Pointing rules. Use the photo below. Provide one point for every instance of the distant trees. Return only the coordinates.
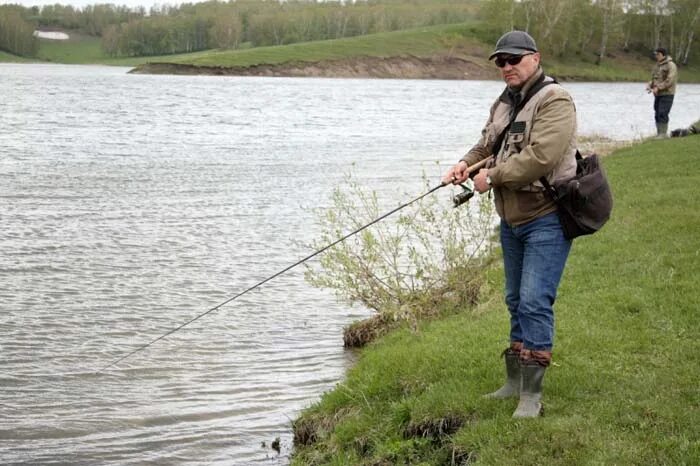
(596, 27)
(257, 23)
(92, 19)
(226, 31)
(593, 28)
(687, 25)
(157, 36)
(16, 32)
(58, 16)
(95, 19)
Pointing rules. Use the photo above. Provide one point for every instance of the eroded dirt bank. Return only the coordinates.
(366, 67)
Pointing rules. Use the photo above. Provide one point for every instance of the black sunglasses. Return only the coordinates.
(512, 61)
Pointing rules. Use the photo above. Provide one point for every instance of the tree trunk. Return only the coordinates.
(608, 8)
(691, 36)
(552, 17)
(658, 24)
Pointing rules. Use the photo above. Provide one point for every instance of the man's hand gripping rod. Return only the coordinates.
(468, 189)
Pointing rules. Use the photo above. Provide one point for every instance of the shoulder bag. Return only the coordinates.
(585, 201)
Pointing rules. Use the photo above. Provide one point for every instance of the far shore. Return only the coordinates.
(456, 67)
(438, 67)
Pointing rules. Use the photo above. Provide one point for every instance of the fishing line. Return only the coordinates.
(271, 277)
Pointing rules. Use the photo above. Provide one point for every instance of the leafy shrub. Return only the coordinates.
(425, 253)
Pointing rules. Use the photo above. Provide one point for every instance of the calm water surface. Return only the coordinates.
(129, 204)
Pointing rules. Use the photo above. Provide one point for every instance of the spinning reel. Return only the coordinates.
(466, 194)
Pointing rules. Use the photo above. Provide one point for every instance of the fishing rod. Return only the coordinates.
(457, 201)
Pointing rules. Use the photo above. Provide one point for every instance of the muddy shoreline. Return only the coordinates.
(441, 67)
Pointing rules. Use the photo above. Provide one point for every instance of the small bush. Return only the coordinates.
(407, 263)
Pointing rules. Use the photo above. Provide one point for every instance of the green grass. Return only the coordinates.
(79, 49)
(610, 70)
(620, 67)
(419, 42)
(9, 58)
(623, 388)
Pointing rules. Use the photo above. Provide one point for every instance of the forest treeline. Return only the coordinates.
(600, 26)
(561, 27)
(17, 34)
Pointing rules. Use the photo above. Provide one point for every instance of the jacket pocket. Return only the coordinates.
(514, 142)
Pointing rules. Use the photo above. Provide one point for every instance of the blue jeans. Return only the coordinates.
(534, 256)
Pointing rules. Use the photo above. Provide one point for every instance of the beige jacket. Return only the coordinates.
(541, 142)
(664, 77)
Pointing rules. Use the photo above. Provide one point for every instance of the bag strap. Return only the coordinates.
(539, 84)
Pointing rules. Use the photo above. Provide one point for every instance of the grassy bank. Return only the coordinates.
(419, 42)
(471, 42)
(623, 388)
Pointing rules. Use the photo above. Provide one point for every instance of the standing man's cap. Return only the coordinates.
(515, 43)
(662, 51)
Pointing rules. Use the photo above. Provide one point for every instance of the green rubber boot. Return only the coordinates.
(530, 404)
(511, 388)
(661, 130)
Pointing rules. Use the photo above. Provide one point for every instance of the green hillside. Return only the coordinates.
(419, 42)
(80, 49)
(464, 40)
(468, 41)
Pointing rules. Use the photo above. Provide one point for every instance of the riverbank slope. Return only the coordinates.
(623, 385)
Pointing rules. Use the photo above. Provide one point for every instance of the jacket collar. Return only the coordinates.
(512, 96)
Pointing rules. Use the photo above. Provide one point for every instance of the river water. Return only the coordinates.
(131, 203)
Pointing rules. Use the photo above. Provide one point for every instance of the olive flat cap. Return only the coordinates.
(515, 43)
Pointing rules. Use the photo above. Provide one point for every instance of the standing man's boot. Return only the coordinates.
(511, 388)
(661, 130)
(533, 365)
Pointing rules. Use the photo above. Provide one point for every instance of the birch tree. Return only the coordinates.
(609, 10)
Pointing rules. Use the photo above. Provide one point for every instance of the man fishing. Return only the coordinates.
(664, 78)
(531, 131)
